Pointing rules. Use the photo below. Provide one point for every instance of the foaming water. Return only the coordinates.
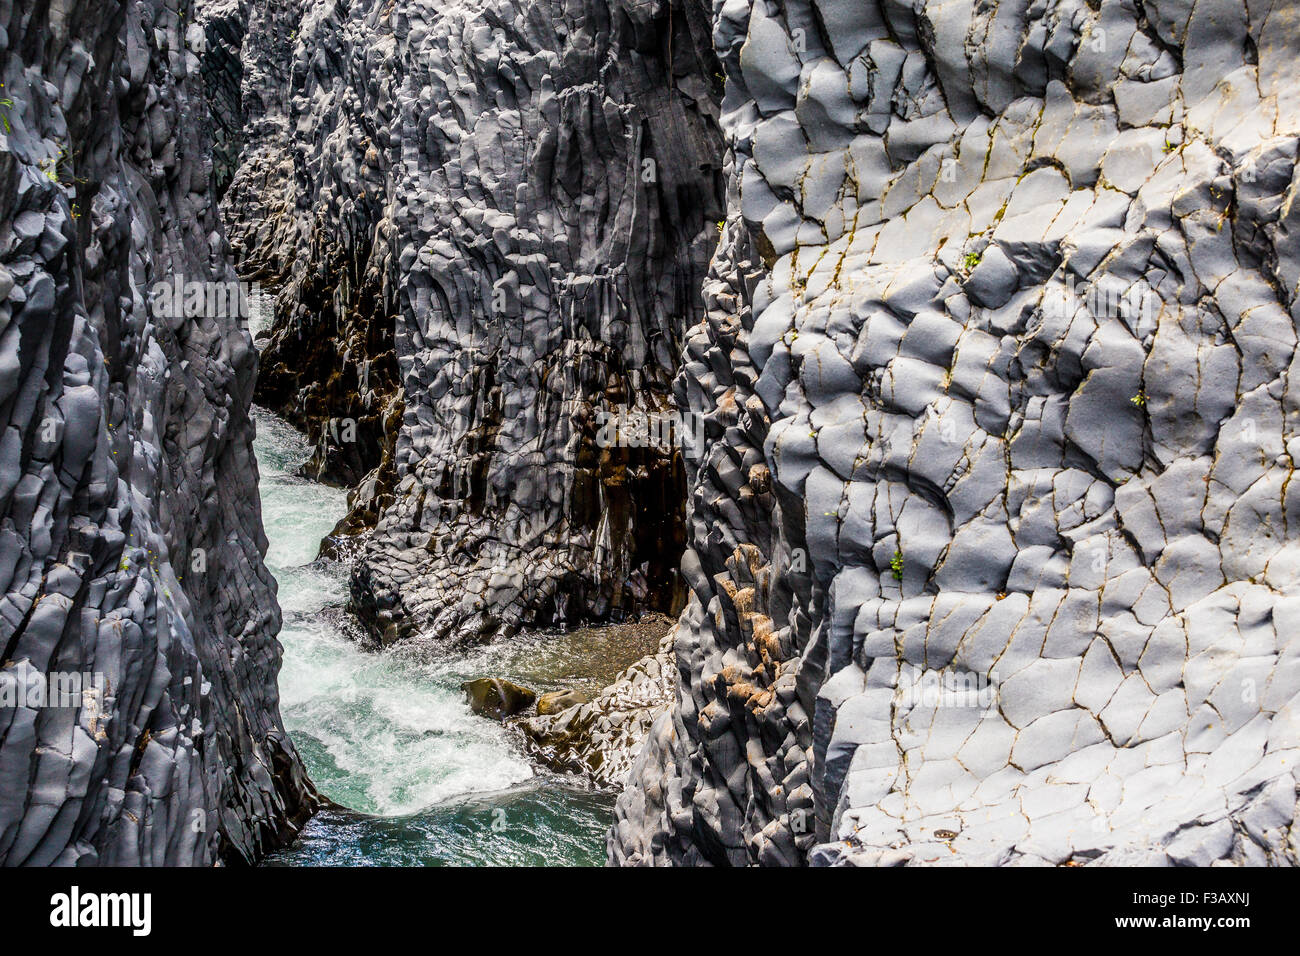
(389, 734)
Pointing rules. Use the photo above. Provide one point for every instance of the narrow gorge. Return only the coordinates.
(653, 432)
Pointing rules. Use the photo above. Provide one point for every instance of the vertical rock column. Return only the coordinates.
(724, 776)
(130, 534)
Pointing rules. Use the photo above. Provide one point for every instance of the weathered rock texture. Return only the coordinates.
(303, 223)
(488, 223)
(219, 46)
(983, 569)
(496, 697)
(130, 535)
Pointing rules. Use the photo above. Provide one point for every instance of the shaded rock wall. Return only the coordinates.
(488, 223)
(306, 215)
(1019, 362)
(219, 46)
(130, 533)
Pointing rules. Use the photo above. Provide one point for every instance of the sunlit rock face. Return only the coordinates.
(600, 739)
(487, 224)
(992, 553)
(139, 716)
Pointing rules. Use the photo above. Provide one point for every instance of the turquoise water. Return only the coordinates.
(388, 735)
(529, 825)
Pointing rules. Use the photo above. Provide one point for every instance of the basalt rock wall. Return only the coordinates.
(992, 550)
(138, 658)
(487, 224)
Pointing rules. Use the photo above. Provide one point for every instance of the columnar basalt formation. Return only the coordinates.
(740, 701)
(488, 223)
(219, 45)
(139, 722)
(301, 226)
(1007, 297)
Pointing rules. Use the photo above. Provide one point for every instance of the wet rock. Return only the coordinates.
(496, 697)
(552, 702)
(582, 659)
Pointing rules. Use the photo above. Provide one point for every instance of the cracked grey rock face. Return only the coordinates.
(130, 534)
(992, 551)
(488, 224)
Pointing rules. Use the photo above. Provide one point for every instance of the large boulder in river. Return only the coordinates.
(497, 698)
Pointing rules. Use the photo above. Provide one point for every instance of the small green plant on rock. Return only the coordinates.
(1139, 400)
(971, 261)
(6, 104)
(896, 565)
(57, 168)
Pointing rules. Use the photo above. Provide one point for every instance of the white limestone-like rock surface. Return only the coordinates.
(993, 551)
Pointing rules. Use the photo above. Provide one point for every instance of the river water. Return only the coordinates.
(390, 736)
